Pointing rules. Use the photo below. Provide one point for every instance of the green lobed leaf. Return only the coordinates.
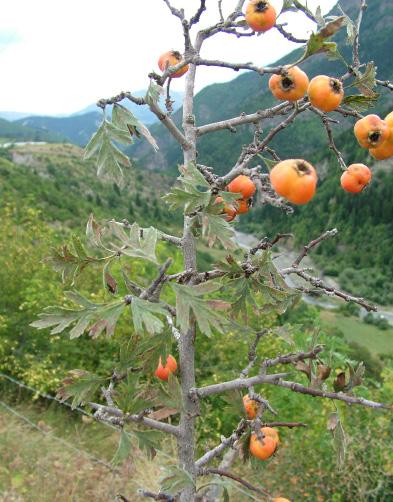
(124, 448)
(137, 243)
(71, 260)
(148, 440)
(81, 386)
(93, 317)
(144, 315)
(335, 426)
(153, 93)
(359, 102)
(175, 480)
(95, 142)
(215, 227)
(188, 194)
(189, 301)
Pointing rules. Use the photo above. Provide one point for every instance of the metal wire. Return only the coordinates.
(56, 438)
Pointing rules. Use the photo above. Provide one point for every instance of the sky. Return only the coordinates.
(57, 56)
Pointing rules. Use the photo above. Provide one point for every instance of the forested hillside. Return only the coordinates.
(364, 222)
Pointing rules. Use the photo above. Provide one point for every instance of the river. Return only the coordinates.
(285, 258)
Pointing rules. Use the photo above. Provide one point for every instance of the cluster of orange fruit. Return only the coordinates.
(246, 187)
(376, 135)
(296, 179)
(164, 370)
(260, 448)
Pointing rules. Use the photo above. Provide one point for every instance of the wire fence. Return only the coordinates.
(80, 410)
(77, 409)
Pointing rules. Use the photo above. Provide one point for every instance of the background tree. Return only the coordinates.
(177, 308)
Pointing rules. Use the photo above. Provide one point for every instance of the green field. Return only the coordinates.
(377, 341)
(36, 466)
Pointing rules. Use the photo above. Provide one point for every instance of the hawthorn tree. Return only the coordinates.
(175, 308)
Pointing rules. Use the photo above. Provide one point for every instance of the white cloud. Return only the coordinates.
(58, 56)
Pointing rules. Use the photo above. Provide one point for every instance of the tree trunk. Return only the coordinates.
(186, 442)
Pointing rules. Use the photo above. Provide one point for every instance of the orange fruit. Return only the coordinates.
(260, 15)
(355, 178)
(172, 58)
(295, 180)
(325, 93)
(371, 131)
(291, 85)
(242, 184)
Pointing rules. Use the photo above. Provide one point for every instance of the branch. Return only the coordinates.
(289, 36)
(266, 244)
(106, 412)
(175, 12)
(332, 144)
(170, 238)
(236, 66)
(356, 43)
(339, 396)
(293, 358)
(318, 283)
(154, 108)
(197, 16)
(102, 103)
(305, 10)
(312, 244)
(243, 119)
(385, 83)
(238, 383)
(158, 282)
(225, 443)
(170, 125)
(221, 472)
(252, 353)
(155, 496)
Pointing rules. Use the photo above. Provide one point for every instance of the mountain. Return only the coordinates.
(12, 131)
(360, 257)
(75, 129)
(249, 92)
(13, 115)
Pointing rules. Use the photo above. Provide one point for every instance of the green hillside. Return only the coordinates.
(249, 92)
(361, 257)
(55, 179)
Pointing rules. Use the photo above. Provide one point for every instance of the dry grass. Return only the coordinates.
(35, 467)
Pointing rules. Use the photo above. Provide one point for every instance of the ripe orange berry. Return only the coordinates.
(325, 93)
(295, 180)
(385, 150)
(163, 372)
(355, 178)
(242, 206)
(251, 406)
(172, 58)
(229, 210)
(281, 499)
(242, 184)
(291, 85)
(263, 449)
(371, 131)
(260, 15)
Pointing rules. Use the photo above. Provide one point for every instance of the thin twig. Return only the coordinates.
(220, 472)
(312, 244)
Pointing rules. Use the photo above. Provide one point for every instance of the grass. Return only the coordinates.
(35, 467)
(375, 340)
